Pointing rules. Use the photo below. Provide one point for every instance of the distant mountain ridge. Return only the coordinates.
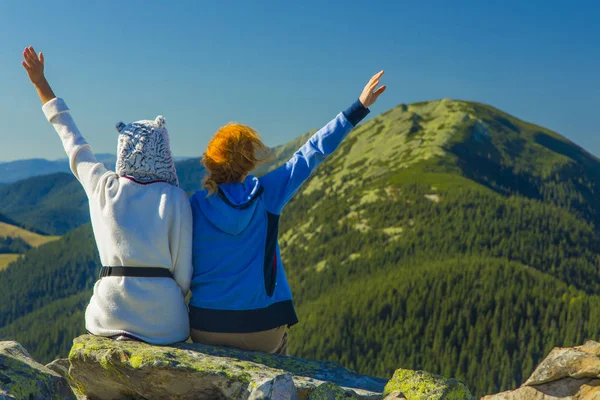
(13, 171)
(446, 235)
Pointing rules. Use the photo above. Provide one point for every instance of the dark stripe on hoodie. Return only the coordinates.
(270, 267)
(243, 321)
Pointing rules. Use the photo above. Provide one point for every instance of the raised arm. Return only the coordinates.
(281, 184)
(84, 164)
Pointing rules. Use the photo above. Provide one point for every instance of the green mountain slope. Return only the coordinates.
(454, 317)
(66, 320)
(56, 204)
(444, 235)
(54, 271)
(15, 240)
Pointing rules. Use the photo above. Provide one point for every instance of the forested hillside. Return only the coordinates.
(446, 236)
(15, 240)
(10, 244)
(56, 203)
(448, 287)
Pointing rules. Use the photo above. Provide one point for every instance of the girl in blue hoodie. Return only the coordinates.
(240, 294)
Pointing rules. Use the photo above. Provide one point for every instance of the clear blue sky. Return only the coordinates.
(287, 67)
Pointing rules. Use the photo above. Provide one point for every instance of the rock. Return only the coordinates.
(421, 385)
(566, 373)
(60, 366)
(108, 369)
(564, 389)
(281, 388)
(331, 391)
(395, 395)
(576, 362)
(21, 377)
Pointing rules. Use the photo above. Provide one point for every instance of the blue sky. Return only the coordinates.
(288, 67)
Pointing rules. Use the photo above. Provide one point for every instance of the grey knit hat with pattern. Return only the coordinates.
(144, 152)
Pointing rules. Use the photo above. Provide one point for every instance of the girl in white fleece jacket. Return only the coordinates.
(142, 223)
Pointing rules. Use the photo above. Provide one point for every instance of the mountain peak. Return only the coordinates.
(405, 135)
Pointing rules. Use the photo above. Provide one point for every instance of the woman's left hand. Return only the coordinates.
(368, 97)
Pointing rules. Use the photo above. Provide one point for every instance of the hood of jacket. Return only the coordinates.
(232, 208)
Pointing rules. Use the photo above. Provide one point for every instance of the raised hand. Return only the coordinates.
(368, 96)
(34, 65)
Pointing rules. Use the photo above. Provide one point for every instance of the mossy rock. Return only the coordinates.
(331, 391)
(106, 369)
(421, 385)
(21, 377)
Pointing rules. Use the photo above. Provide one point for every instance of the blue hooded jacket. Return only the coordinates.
(239, 284)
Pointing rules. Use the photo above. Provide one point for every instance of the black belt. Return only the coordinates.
(143, 272)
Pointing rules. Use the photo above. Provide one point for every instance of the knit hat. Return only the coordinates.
(144, 152)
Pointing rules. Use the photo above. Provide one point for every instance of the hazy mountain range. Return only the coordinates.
(13, 171)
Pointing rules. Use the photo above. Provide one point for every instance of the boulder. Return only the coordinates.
(566, 373)
(21, 377)
(106, 369)
(331, 391)
(395, 395)
(281, 387)
(60, 366)
(577, 362)
(421, 385)
(564, 389)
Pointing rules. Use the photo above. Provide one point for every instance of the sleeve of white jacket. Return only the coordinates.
(83, 163)
(182, 240)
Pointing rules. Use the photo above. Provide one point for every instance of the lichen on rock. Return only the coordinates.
(421, 385)
(331, 391)
(21, 377)
(107, 369)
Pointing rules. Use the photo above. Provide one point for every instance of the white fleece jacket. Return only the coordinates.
(145, 225)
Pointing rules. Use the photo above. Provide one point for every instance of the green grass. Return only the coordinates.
(34, 239)
(6, 259)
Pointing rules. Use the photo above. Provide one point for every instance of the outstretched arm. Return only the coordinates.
(281, 184)
(83, 163)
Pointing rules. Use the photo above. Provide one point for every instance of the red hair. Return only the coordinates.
(232, 153)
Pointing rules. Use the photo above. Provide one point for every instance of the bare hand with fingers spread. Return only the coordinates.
(34, 65)
(369, 95)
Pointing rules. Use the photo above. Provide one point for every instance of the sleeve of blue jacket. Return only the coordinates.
(281, 184)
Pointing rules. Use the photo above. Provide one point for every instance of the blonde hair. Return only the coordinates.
(232, 153)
